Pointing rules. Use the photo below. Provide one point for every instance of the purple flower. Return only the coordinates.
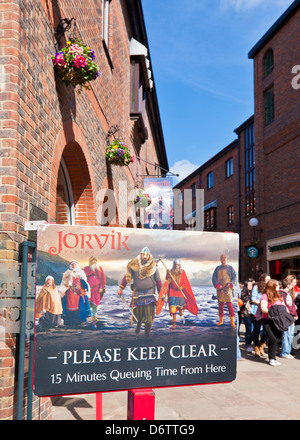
(97, 74)
(59, 59)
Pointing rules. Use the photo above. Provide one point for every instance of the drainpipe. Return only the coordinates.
(25, 247)
(240, 207)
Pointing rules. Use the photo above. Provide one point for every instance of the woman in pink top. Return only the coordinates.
(271, 297)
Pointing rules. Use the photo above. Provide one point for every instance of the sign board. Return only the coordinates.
(253, 252)
(10, 296)
(155, 343)
(159, 215)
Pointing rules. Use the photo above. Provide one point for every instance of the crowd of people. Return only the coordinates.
(269, 310)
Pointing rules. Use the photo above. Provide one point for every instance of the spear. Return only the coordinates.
(171, 276)
(132, 301)
(123, 299)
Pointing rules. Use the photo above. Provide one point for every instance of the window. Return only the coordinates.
(269, 105)
(64, 196)
(210, 221)
(137, 89)
(210, 180)
(229, 167)
(230, 215)
(141, 84)
(250, 171)
(193, 186)
(268, 62)
(105, 21)
(250, 204)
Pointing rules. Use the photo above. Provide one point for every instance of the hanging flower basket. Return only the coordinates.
(117, 153)
(74, 64)
(142, 199)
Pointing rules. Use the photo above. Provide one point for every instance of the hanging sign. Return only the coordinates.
(123, 308)
(159, 215)
(253, 252)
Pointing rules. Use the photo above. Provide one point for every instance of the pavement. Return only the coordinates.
(260, 392)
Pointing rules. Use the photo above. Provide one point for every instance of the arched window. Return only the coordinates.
(64, 201)
(268, 62)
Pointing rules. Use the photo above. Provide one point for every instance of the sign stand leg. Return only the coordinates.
(99, 406)
(141, 404)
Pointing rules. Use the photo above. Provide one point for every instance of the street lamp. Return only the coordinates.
(253, 251)
(253, 222)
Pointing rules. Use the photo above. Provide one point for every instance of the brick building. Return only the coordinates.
(277, 143)
(53, 139)
(265, 181)
(217, 177)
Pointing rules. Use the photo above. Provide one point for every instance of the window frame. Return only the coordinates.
(210, 219)
(249, 150)
(68, 191)
(229, 167)
(230, 215)
(138, 89)
(210, 180)
(193, 188)
(268, 62)
(269, 105)
(106, 40)
(105, 22)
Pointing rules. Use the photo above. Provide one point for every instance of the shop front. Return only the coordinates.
(283, 256)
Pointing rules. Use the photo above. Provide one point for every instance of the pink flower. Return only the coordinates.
(132, 158)
(79, 61)
(75, 48)
(59, 59)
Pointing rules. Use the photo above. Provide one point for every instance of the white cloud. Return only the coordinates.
(183, 168)
(239, 5)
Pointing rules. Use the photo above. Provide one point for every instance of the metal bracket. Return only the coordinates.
(63, 26)
(111, 132)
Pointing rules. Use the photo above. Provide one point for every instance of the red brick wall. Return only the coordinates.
(224, 190)
(277, 144)
(42, 120)
(7, 387)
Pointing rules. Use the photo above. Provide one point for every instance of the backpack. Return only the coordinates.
(281, 318)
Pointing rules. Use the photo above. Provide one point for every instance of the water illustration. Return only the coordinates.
(113, 316)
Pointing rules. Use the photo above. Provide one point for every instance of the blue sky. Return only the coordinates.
(203, 77)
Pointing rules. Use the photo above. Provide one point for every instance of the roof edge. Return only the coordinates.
(292, 9)
(217, 156)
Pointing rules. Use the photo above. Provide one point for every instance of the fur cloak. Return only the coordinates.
(144, 270)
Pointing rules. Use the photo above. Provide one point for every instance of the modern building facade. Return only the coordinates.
(277, 141)
(53, 139)
(260, 200)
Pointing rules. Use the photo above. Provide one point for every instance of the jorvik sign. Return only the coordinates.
(120, 308)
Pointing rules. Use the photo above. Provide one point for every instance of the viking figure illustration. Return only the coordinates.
(143, 275)
(97, 282)
(223, 279)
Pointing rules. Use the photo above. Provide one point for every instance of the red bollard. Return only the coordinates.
(99, 406)
(141, 404)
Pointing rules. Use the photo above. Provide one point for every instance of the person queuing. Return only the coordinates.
(271, 297)
(245, 312)
(287, 293)
(259, 338)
